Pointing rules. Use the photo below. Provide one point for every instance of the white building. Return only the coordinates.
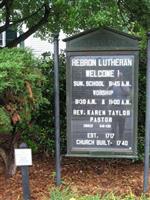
(37, 45)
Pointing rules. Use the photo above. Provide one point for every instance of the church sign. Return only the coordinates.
(102, 87)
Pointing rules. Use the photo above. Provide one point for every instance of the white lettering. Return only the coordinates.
(85, 142)
(119, 83)
(83, 62)
(78, 112)
(115, 62)
(86, 101)
(119, 102)
(96, 112)
(103, 142)
(119, 112)
(99, 73)
(95, 83)
(87, 125)
(109, 135)
(102, 92)
(91, 135)
(101, 119)
(123, 143)
(78, 83)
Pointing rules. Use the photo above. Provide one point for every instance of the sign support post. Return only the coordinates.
(57, 108)
(147, 131)
(25, 178)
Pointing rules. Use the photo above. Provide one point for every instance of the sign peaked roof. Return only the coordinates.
(102, 39)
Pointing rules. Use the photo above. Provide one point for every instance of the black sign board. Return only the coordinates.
(102, 103)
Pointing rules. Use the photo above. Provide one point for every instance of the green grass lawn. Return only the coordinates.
(66, 194)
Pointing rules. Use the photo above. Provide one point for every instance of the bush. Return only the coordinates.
(20, 88)
(5, 122)
(42, 135)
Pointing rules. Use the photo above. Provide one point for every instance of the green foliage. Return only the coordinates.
(5, 122)
(67, 194)
(61, 195)
(39, 137)
(16, 67)
(46, 17)
(42, 132)
(77, 15)
(20, 87)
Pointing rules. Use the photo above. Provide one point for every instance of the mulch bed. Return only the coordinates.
(82, 175)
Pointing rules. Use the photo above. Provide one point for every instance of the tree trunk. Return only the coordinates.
(3, 155)
(9, 143)
(8, 159)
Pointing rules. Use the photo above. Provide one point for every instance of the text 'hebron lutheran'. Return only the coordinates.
(103, 62)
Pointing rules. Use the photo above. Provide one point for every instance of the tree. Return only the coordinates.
(49, 16)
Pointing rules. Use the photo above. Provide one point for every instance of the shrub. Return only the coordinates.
(42, 135)
(20, 88)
